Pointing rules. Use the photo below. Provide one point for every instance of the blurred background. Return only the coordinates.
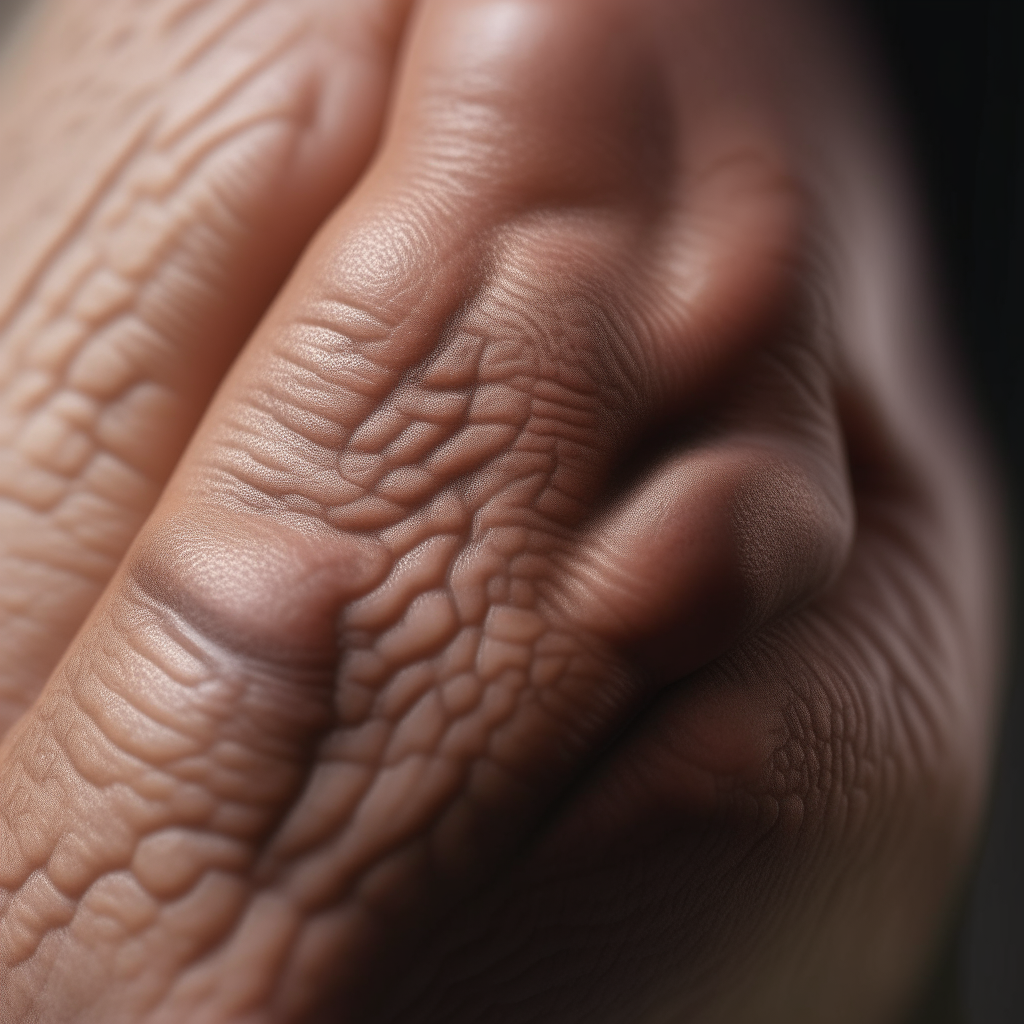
(955, 72)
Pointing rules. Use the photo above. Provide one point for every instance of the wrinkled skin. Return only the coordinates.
(578, 601)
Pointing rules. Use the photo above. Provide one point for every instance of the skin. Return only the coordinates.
(170, 161)
(578, 601)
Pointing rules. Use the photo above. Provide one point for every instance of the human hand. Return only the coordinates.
(587, 227)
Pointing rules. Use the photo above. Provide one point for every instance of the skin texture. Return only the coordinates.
(169, 160)
(578, 601)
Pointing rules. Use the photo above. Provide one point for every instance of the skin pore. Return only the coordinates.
(577, 601)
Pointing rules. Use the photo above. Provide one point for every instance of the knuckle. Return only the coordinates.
(260, 590)
(793, 536)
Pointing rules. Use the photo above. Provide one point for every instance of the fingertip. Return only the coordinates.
(706, 549)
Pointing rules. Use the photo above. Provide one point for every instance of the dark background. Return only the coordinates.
(956, 73)
(955, 69)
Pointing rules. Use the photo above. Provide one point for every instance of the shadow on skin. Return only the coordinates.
(389, 683)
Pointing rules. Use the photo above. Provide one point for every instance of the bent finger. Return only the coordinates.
(750, 518)
(326, 689)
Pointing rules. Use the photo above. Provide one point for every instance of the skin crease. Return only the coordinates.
(615, 368)
(199, 146)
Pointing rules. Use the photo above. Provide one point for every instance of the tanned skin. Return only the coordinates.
(486, 530)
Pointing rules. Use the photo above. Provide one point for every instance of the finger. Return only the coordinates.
(330, 686)
(719, 207)
(162, 167)
(730, 530)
